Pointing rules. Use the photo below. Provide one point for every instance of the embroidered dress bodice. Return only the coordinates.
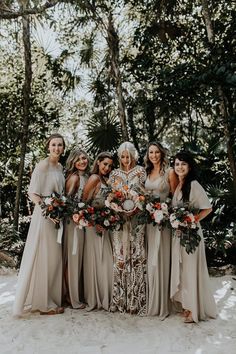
(135, 176)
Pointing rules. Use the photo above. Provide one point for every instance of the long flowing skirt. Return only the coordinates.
(97, 265)
(73, 261)
(158, 271)
(129, 293)
(39, 284)
(190, 283)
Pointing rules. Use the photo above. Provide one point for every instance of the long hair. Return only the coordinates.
(100, 157)
(164, 160)
(73, 158)
(127, 146)
(192, 174)
(55, 136)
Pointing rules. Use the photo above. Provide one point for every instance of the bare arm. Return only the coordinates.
(173, 180)
(35, 198)
(90, 187)
(202, 214)
(72, 184)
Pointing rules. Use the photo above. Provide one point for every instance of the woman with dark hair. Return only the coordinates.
(190, 284)
(40, 277)
(97, 263)
(77, 173)
(161, 182)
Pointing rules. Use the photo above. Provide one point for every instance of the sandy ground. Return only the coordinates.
(79, 331)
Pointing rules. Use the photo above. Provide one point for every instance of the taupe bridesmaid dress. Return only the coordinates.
(190, 283)
(73, 256)
(158, 255)
(39, 284)
(97, 264)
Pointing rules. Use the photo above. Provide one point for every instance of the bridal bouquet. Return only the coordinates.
(83, 215)
(102, 218)
(185, 227)
(107, 219)
(155, 212)
(125, 200)
(55, 207)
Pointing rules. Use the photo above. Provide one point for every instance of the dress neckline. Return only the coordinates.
(129, 170)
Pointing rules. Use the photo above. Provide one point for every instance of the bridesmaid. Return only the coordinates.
(39, 285)
(190, 283)
(129, 292)
(161, 181)
(98, 250)
(77, 172)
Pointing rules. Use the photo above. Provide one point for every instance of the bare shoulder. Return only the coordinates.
(171, 173)
(73, 178)
(93, 180)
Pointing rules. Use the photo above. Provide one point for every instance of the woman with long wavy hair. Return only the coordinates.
(161, 182)
(77, 174)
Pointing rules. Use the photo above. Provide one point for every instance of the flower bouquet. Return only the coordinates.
(125, 200)
(107, 219)
(102, 218)
(55, 207)
(185, 227)
(156, 212)
(83, 215)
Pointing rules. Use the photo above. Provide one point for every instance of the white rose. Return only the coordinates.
(81, 205)
(158, 216)
(175, 224)
(193, 225)
(83, 222)
(164, 206)
(107, 203)
(106, 222)
(48, 201)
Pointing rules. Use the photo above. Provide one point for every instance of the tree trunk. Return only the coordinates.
(113, 45)
(222, 97)
(26, 108)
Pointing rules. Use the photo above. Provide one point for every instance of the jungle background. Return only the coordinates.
(105, 71)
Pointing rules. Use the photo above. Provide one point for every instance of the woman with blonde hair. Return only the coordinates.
(77, 173)
(97, 262)
(129, 267)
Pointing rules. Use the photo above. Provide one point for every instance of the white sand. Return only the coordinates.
(78, 331)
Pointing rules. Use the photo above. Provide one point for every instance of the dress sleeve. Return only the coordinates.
(198, 197)
(143, 175)
(37, 180)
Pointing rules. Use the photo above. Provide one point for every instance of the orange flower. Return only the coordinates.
(187, 219)
(141, 198)
(126, 188)
(157, 206)
(118, 194)
(50, 207)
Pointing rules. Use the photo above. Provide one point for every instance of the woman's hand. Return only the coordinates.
(55, 221)
(99, 228)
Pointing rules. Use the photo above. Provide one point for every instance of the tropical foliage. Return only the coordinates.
(105, 71)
